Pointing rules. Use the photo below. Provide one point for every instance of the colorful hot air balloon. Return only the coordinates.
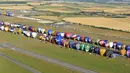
(82, 39)
(68, 35)
(127, 47)
(82, 45)
(102, 51)
(6, 29)
(122, 52)
(96, 50)
(78, 37)
(128, 53)
(58, 40)
(119, 45)
(78, 46)
(87, 47)
(49, 32)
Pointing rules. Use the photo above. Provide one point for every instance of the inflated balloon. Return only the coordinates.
(11, 29)
(49, 32)
(87, 47)
(78, 46)
(62, 34)
(96, 50)
(111, 44)
(74, 36)
(101, 42)
(68, 35)
(128, 53)
(58, 40)
(82, 45)
(6, 29)
(127, 47)
(2, 28)
(78, 38)
(122, 52)
(82, 38)
(119, 46)
(106, 45)
(102, 51)
(70, 44)
(108, 52)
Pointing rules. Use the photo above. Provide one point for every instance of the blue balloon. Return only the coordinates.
(49, 32)
(78, 37)
(119, 45)
(58, 40)
(127, 47)
(106, 41)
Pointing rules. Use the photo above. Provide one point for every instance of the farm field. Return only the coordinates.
(114, 23)
(15, 7)
(55, 18)
(40, 65)
(7, 66)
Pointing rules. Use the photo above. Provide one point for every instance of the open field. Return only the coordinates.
(15, 7)
(7, 66)
(74, 57)
(63, 9)
(40, 65)
(114, 23)
(55, 18)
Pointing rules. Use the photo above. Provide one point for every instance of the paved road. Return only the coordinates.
(82, 70)
(19, 63)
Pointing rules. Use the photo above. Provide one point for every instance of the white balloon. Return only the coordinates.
(111, 44)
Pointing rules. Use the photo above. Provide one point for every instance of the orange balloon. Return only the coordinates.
(123, 52)
(102, 51)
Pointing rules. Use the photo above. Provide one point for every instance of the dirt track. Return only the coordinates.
(19, 63)
(82, 70)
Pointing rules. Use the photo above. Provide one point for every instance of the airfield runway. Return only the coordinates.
(64, 64)
(19, 63)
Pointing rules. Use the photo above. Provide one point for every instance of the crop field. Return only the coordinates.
(63, 9)
(55, 18)
(19, 7)
(81, 59)
(113, 23)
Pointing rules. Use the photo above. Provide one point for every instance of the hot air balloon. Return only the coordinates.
(101, 42)
(122, 52)
(82, 45)
(127, 47)
(82, 39)
(102, 51)
(87, 40)
(49, 32)
(74, 36)
(33, 34)
(68, 35)
(58, 40)
(6, 29)
(62, 34)
(70, 44)
(11, 29)
(87, 47)
(78, 46)
(96, 50)
(119, 45)
(108, 53)
(78, 37)
(128, 53)
(2, 28)
(111, 44)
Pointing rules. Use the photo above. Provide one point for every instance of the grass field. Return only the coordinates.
(9, 67)
(114, 23)
(74, 57)
(40, 65)
(55, 18)
(96, 63)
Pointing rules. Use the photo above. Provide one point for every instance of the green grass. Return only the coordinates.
(40, 65)
(7, 66)
(96, 63)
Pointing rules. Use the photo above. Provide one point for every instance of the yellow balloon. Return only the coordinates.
(102, 51)
(123, 52)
